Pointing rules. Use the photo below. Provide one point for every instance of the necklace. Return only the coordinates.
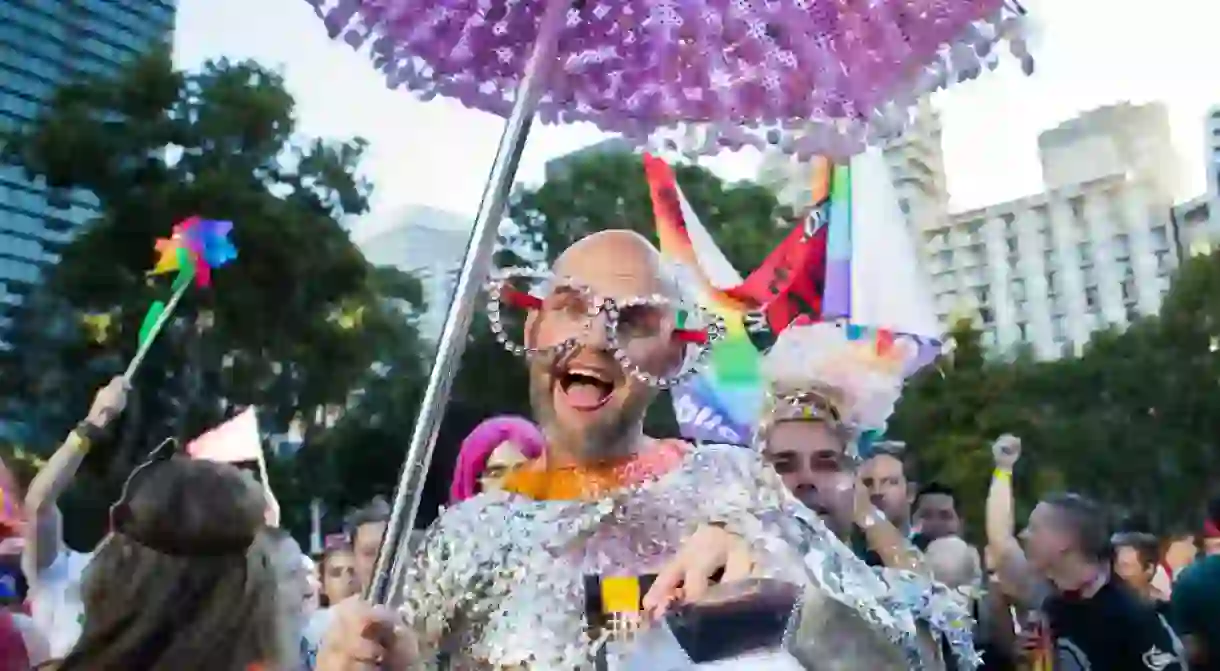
(587, 483)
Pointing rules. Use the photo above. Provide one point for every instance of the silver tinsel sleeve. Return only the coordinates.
(500, 581)
(908, 609)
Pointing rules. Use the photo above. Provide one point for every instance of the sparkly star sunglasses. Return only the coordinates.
(629, 322)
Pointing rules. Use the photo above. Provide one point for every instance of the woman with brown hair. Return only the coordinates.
(186, 579)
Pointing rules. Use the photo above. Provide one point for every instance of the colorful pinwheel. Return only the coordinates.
(196, 247)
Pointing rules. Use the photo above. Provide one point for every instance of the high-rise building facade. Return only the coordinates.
(44, 44)
(1122, 139)
(430, 244)
(917, 167)
(1048, 270)
(1095, 249)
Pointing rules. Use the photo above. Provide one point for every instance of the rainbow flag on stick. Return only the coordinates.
(850, 260)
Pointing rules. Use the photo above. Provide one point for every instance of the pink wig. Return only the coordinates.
(484, 440)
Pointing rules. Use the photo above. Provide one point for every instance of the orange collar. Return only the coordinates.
(586, 483)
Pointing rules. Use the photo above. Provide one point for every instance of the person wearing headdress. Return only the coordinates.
(612, 529)
(828, 399)
(494, 448)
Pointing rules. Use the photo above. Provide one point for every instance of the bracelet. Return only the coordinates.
(1002, 474)
(87, 433)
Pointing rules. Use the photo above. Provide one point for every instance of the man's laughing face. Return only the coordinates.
(590, 408)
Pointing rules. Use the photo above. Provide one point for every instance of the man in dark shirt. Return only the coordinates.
(1095, 622)
(1135, 562)
(1195, 604)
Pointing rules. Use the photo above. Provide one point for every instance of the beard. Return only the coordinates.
(608, 437)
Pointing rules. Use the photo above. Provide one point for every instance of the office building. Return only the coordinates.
(1095, 249)
(1049, 269)
(1121, 139)
(917, 167)
(1197, 221)
(44, 44)
(1194, 226)
(430, 244)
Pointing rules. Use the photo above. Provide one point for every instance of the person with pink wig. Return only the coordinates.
(495, 447)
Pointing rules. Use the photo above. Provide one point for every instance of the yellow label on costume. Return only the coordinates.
(621, 594)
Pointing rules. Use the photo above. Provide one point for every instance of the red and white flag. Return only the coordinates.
(235, 441)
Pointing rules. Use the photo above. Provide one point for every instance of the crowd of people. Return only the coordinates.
(629, 530)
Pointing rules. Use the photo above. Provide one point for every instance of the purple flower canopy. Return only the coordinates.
(838, 73)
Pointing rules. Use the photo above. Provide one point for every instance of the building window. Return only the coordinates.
(1050, 283)
(1122, 245)
(1160, 239)
(1008, 219)
(1059, 329)
(1162, 261)
(1128, 289)
(1090, 297)
(1022, 329)
(1077, 205)
(1018, 289)
(986, 315)
(1012, 245)
(903, 204)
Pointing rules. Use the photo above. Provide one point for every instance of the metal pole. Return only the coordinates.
(392, 559)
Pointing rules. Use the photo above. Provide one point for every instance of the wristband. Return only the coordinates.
(1002, 474)
(87, 433)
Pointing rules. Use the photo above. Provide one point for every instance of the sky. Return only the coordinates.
(1088, 52)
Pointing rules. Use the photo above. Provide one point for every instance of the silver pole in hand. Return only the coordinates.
(392, 557)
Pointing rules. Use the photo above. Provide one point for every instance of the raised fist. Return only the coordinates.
(1006, 450)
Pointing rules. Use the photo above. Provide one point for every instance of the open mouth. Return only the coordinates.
(585, 389)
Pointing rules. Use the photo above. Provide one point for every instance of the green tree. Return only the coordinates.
(951, 413)
(296, 326)
(608, 190)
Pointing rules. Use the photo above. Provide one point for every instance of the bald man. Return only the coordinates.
(610, 527)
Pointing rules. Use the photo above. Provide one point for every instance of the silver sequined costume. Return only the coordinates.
(499, 581)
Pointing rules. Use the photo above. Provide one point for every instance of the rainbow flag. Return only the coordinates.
(817, 273)
(722, 403)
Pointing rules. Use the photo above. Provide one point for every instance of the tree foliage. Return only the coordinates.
(602, 191)
(1132, 421)
(297, 326)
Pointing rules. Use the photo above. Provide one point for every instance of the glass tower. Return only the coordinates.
(43, 44)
